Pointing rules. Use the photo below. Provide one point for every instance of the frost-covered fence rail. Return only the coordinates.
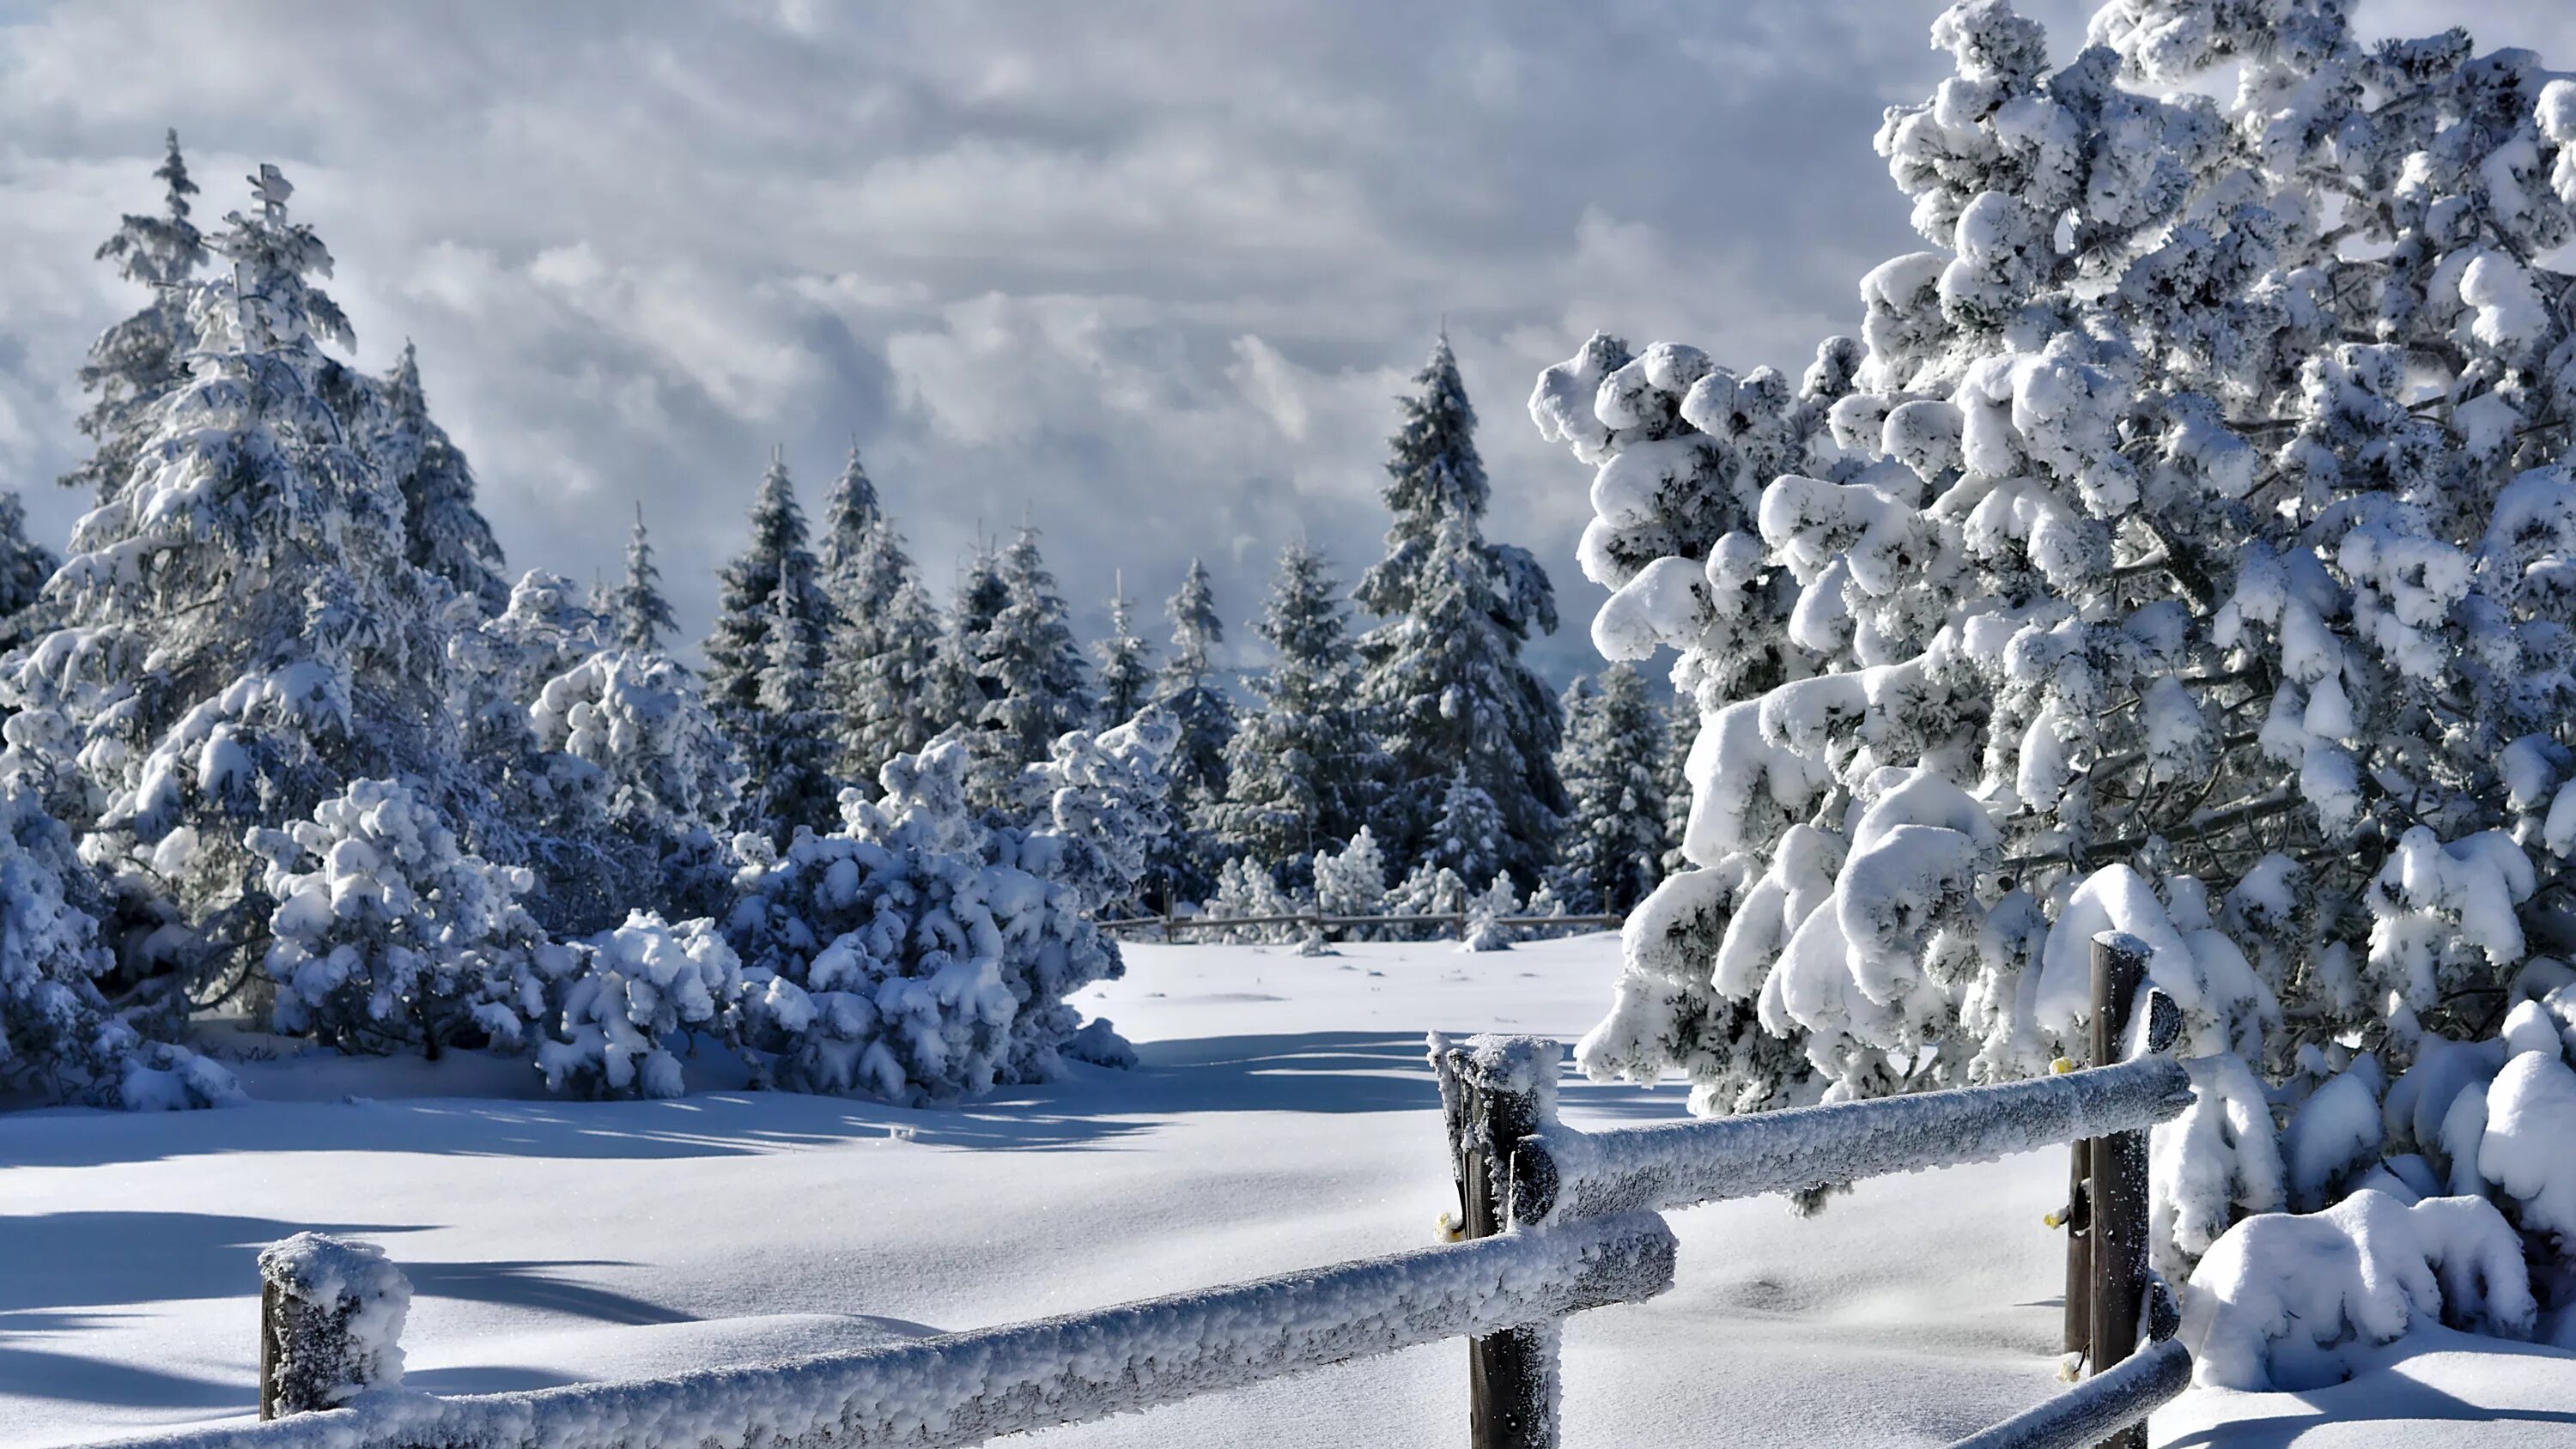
(1518, 1168)
(1455, 921)
(965, 1388)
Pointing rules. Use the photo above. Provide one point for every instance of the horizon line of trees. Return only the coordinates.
(280, 733)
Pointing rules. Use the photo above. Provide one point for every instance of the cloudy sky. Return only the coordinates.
(1145, 276)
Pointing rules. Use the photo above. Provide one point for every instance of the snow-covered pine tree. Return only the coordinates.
(136, 363)
(1468, 835)
(1186, 863)
(241, 632)
(1352, 882)
(1616, 745)
(1300, 768)
(1033, 675)
(879, 659)
(791, 784)
(638, 608)
(25, 565)
(1126, 667)
(958, 690)
(444, 533)
(851, 514)
(739, 649)
(1204, 714)
(1443, 679)
(2180, 551)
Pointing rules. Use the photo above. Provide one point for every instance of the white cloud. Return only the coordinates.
(1151, 277)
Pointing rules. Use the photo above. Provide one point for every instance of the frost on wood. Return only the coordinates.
(334, 1319)
(2095, 1409)
(2285, 1302)
(964, 1388)
(1676, 1164)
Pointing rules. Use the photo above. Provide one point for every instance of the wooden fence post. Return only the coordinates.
(2117, 1199)
(2079, 1249)
(330, 1323)
(1494, 1092)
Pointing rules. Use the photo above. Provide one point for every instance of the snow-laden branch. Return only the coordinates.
(1561, 1173)
(2094, 1410)
(965, 1388)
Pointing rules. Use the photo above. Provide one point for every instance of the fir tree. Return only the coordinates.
(1205, 715)
(640, 612)
(444, 533)
(958, 690)
(25, 565)
(739, 649)
(851, 515)
(1299, 769)
(241, 632)
(1126, 673)
(1468, 835)
(1032, 670)
(136, 363)
(880, 661)
(791, 784)
(1610, 853)
(1443, 680)
(2177, 551)
(1205, 718)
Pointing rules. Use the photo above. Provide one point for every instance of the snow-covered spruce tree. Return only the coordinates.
(739, 648)
(444, 534)
(1185, 868)
(958, 689)
(881, 652)
(640, 611)
(617, 776)
(1031, 666)
(1616, 742)
(1300, 768)
(388, 934)
(1443, 681)
(60, 1040)
(25, 565)
(2179, 551)
(791, 785)
(1126, 664)
(922, 954)
(240, 630)
(136, 363)
(1468, 835)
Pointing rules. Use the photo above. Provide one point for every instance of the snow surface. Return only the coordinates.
(1282, 1119)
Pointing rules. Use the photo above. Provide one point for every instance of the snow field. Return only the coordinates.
(1283, 1119)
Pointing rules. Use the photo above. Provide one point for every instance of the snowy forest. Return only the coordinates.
(2178, 554)
(283, 736)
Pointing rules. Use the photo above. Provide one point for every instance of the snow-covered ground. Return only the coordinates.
(1282, 1118)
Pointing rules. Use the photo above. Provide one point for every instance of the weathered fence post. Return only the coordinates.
(2079, 1250)
(330, 1323)
(2117, 1198)
(1493, 1092)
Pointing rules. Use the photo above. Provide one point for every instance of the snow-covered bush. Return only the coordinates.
(387, 934)
(613, 1003)
(2182, 548)
(920, 954)
(1246, 888)
(1351, 881)
(1432, 890)
(2290, 1302)
(1485, 911)
(59, 1038)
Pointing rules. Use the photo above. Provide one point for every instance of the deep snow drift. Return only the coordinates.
(1282, 1119)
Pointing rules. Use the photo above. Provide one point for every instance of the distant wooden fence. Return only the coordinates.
(1552, 1222)
(1455, 922)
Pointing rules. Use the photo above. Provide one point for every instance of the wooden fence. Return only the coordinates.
(1552, 1222)
(1455, 922)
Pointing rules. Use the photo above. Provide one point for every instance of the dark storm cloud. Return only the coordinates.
(1147, 277)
